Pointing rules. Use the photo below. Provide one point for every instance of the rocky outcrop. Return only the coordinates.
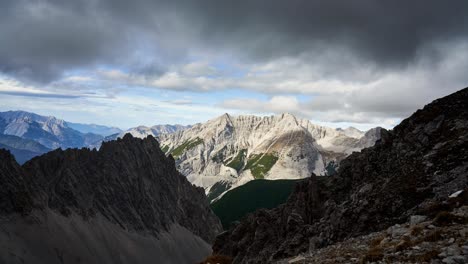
(410, 171)
(15, 196)
(441, 239)
(124, 203)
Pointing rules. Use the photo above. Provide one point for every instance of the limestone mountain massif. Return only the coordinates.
(229, 151)
(417, 170)
(125, 203)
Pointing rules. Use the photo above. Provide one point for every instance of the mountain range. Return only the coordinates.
(28, 135)
(229, 151)
(47, 130)
(125, 203)
(234, 150)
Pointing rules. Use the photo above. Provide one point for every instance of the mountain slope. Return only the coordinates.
(48, 131)
(412, 170)
(125, 203)
(22, 149)
(229, 151)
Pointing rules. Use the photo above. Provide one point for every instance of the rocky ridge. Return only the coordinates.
(410, 171)
(125, 202)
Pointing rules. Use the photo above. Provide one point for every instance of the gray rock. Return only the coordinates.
(397, 231)
(314, 243)
(465, 250)
(454, 260)
(416, 219)
(453, 250)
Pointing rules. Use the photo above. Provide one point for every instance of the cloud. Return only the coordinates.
(383, 100)
(365, 61)
(43, 39)
(199, 69)
(276, 104)
(179, 102)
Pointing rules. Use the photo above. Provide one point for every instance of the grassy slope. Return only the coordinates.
(251, 196)
(186, 146)
(217, 189)
(164, 148)
(260, 164)
(238, 162)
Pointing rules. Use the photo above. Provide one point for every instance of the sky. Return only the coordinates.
(123, 63)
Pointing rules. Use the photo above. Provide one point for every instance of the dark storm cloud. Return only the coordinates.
(385, 32)
(40, 40)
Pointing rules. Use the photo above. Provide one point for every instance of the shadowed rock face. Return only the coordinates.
(128, 196)
(414, 166)
(15, 197)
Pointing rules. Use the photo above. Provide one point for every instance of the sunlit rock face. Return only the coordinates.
(229, 151)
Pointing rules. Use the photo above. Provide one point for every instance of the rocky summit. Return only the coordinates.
(125, 203)
(416, 169)
(229, 151)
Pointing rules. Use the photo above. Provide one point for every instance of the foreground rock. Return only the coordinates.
(125, 203)
(411, 171)
(432, 241)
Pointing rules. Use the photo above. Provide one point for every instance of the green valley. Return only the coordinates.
(251, 196)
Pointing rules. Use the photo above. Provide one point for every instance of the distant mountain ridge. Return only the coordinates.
(22, 149)
(53, 133)
(47, 130)
(144, 131)
(94, 129)
(229, 151)
(352, 132)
